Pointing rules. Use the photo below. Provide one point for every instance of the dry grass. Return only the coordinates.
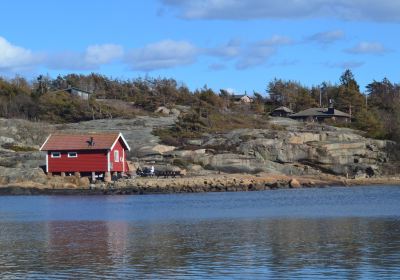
(18, 148)
(196, 126)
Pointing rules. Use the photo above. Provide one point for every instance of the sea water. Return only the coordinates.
(336, 232)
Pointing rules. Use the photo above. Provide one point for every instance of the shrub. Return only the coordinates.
(180, 163)
(18, 148)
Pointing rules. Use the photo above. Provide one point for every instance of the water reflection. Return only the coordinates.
(352, 248)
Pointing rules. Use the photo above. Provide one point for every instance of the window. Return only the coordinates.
(72, 154)
(116, 156)
(55, 154)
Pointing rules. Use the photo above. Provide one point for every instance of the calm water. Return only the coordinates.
(351, 233)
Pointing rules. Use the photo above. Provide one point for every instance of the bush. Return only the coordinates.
(18, 148)
(180, 163)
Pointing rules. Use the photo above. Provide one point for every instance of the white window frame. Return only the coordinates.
(53, 154)
(116, 156)
(71, 156)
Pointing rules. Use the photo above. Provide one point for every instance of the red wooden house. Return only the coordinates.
(91, 154)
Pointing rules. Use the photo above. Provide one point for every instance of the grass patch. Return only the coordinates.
(196, 123)
(180, 163)
(17, 148)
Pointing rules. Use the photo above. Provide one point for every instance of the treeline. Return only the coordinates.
(42, 100)
(375, 112)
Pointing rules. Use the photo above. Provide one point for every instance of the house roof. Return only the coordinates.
(320, 112)
(238, 96)
(285, 109)
(102, 141)
(70, 89)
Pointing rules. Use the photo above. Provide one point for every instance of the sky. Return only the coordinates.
(224, 44)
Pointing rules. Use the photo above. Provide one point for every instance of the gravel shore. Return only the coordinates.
(210, 183)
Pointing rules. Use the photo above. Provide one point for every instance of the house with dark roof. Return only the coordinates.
(321, 114)
(281, 112)
(90, 154)
(241, 98)
(78, 92)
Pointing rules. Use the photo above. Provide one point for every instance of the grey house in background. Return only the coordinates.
(281, 112)
(79, 92)
(241, 98)
(321, 114)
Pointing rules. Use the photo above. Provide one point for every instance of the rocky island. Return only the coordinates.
(286, 154)
(295, 136)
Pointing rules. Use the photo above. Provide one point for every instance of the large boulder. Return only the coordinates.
(235, 163)
(294, 183)
(17, 175)
(275, 150)
(302, 138)
(24, 132)
(21, 159)
(6, 140)
(175, 112)
(337, 151)
(163, 110)
(162, 149)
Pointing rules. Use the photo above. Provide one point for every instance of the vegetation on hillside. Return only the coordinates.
(376, 112)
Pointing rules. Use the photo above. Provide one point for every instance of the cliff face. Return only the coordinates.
(295, 148)
(336, 152)
(290, 148)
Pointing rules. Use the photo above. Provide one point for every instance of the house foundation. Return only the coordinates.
(107, 177)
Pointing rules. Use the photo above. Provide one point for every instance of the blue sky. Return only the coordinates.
(230, 44)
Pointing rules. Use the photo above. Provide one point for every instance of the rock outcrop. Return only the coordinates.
(18, 175)
(294, 183)
(289, 148)
(292, 151)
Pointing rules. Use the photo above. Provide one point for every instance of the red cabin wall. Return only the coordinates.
(118, 166)
(87, 161)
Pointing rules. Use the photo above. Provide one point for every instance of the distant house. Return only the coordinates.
(281, 112)
(91, 154)
(321, 114)
(241, 98)
(79, 92)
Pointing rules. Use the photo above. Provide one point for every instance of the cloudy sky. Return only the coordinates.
(231, 44)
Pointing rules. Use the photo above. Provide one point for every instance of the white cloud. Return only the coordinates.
(92, 58)
(371, 10)
(161, 55)
(276, 40)
(169, 53)
(284, 63)
(255, 56)
(230, 90)
(259, 52)
(68, 61)
(228, 50)
(103, 54)
(345, 64)
(326, 37)
(367, 48)
(13, 57)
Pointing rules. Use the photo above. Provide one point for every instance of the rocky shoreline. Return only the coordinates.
(213, 183)
(289, 154)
